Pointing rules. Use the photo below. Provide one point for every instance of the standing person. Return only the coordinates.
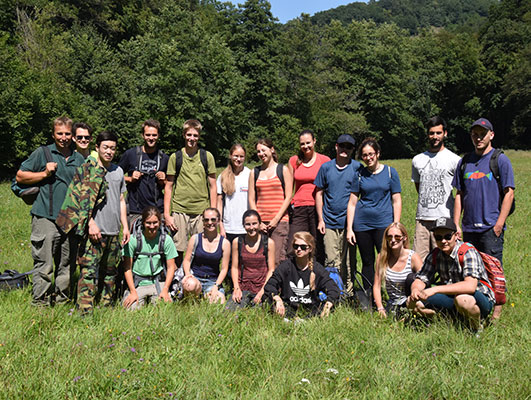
(204, 253)
(304, 167)
(232, 187)
(48, 243)
(484, 196)
(253, 263)
(95, 205)
(297, 281)
(270, 194)
(432, 172)
(333, 182)
(145, 168)
(380, 203)
(143, 274)
(461, 288)
(190, 187)
(82, 136)
(395, 269)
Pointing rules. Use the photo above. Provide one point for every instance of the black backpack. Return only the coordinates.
(264, 238)
(494, 168)
(12, 279)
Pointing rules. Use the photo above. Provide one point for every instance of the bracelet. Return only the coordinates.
(381, 309)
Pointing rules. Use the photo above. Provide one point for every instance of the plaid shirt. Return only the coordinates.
(450, 271)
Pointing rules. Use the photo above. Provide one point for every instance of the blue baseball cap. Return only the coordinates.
(484, 123)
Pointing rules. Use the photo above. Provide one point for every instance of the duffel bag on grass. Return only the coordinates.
(12, 279)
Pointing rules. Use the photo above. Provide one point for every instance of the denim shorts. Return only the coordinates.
(441, 302)
(207, 284)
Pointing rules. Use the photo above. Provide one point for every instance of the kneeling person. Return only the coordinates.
(461, 289)
(143, 275)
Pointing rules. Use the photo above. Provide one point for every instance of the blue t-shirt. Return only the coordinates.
(336, 185)
(480, 194)
(375, 208)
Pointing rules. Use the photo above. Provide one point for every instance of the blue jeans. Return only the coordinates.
(487, 242)
(207, 284)
(445, 302)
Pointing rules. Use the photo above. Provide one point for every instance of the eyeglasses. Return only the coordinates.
(300, 246)
(236, 156)
(210, 219)
(448, 236)
(398, 238)
(368, 155)
(83, 137)
(346, 146)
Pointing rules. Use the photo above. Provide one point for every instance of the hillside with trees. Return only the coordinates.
(114, 64)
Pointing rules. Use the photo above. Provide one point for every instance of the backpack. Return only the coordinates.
(264, 238)
(334, 274)
(280, 174)
(137, 232)
(204, 162)
(29, 193)
(12, 279)
(138, 152)
(494, 168)
(492, 266)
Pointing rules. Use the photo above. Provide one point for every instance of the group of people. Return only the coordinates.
(274, 226)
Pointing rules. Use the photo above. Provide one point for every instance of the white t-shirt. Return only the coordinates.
(434, 173)
(237, 203)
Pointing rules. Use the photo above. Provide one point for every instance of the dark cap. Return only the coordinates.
(346, 139)
(484, 123)
(445, 223)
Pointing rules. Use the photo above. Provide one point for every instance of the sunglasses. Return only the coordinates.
(83, 137)
(346, 146)
(210, 219)
(398, 238)
(439, 238)
(300, 246)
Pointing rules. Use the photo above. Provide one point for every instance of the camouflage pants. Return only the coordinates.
(98, 268)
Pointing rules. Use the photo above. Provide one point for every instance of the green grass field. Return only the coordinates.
(197, 351)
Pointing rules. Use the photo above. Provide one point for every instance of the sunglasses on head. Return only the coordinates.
(448, 236)
(300, 246)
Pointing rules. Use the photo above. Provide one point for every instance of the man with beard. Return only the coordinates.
(432, 172)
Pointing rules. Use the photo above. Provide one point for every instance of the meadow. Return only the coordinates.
(196, 351)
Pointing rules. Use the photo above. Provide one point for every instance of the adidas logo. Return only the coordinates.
(299, 289)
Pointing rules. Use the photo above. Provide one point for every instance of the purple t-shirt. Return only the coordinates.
(480, 194)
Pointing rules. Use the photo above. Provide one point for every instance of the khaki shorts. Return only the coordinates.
(424, 241)
(188, 225)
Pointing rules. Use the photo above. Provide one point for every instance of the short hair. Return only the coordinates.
(435, 121)
(153, 123)
(150, 211)
(62, 121)
(82, 125)
(370, 141)
(192, 123)
(268, 143)
(106, 135)
(250, 213)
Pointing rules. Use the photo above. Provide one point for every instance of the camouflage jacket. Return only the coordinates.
(86, 191)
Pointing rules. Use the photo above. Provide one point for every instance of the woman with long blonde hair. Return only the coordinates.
(395, 266)
(297, 281)
(232, 187)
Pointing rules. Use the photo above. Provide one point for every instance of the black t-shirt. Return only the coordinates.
(146, 191)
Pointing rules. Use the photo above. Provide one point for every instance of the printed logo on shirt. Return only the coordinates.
(301, 291)
(478, 175)
(148, 166)
(244, 189)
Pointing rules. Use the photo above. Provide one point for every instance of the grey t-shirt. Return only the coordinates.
(107, 215)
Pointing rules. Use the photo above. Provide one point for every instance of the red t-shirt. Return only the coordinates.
(304, 177)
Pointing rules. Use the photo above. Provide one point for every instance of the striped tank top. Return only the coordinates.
(395, 283)
(269, 198)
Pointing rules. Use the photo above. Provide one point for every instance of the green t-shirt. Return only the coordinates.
(191, 191)
(141, 266)
(61, 179)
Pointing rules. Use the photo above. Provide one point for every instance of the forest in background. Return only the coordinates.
(116, 63)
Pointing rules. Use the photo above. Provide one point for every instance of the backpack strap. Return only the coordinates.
(138, 153)
(256, 172)
(178, 163)
(49, 158)
(280, 174)
(240, 246)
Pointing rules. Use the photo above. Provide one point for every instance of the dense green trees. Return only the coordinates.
(244, 75)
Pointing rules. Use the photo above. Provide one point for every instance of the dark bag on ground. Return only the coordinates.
(363, 297)
(12, 279)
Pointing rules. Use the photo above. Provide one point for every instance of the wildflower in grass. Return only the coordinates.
(219, 334)
(512, 304)
(77, 378)
(363, 341)
(111, 345)
(133, 349)
(140, 359)
(124, 333)
(434, 354)
(123, 370)
(333, 371)
(138, 338)
(303, 380)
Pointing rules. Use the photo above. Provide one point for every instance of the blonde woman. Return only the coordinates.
(396, 266)
(296, 282)
(232, 186)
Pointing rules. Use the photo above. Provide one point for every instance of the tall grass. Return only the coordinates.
(193, 350)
